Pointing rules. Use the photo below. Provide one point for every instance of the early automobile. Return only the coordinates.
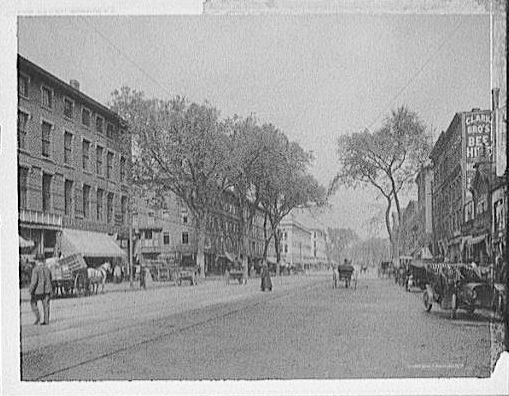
(416, 275)
(458, 286)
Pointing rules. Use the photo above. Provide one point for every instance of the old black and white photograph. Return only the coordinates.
(255, 191)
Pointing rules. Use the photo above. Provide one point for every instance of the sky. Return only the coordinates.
(314, 77)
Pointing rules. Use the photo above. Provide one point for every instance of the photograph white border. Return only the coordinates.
(9, 296)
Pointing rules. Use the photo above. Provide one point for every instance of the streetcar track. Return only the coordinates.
(262, 299)
(88, 317)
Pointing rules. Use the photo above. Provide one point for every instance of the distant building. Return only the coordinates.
(74, 159)
(409, 230)
(319, 245)
(453, 158)
(303, 240)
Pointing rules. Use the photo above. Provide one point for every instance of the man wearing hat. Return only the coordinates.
(40, 289)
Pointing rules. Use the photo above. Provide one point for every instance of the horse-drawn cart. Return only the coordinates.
(233, 274)
(187, 274)
(344, 273)
(68, 275)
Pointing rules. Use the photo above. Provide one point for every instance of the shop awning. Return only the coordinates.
(25, 243)
(89, 244)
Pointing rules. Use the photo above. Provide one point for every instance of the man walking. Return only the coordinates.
(40, 289)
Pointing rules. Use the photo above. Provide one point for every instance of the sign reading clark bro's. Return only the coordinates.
(477, 139)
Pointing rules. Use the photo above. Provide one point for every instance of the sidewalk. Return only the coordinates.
(125, 287)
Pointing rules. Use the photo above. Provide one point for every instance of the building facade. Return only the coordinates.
(164, 226)
(454, 156)
(416, 231)
(74, 159)
(319, 246)
(303, 241)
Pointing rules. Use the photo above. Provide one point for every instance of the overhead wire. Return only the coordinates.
(417, 73)
(125, 55)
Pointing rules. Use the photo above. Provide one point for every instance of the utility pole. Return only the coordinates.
(130, 248)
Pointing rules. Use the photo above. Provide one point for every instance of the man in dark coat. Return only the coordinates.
(142, 276)
(265, 276)
(40, 289)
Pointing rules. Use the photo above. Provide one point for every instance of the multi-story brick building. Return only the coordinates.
(74, 160)
(167, 228)
(454, 156)
(415, 231)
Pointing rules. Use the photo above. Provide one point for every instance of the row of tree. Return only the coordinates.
(187, 149)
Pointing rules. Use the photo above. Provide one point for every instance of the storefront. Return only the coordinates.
(95, 247)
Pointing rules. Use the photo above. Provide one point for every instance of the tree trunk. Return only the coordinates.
(245, 262)
(276, 248)
(200, 242)
(388, 226)
(266, 238)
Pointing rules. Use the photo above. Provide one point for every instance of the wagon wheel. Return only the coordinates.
(427, 301)
(78, 285)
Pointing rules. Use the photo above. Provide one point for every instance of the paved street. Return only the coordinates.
(303, 329)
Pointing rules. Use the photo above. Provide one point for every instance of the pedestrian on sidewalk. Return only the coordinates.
(117, 274)
(265, 276)
(142, 276)
(40, 289)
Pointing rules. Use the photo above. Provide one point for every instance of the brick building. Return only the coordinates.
(73, 169)
(454, 156)
(416, 230)
(164, 226)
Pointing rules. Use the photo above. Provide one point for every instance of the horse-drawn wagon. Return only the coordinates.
(68, 275)
(344, 273)
(187, 274)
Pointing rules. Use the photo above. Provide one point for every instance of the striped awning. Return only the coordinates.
(89, 244)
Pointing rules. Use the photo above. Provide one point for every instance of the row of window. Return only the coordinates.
(152, 240)
(46, 129)
(69, 108)
(47, 202)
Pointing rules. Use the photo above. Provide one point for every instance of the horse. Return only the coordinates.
(97, 276)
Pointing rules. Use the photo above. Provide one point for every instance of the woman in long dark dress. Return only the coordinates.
(265, 276)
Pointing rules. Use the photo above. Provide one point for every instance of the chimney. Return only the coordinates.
(75, 84)
(476, 109)
(495, 98)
